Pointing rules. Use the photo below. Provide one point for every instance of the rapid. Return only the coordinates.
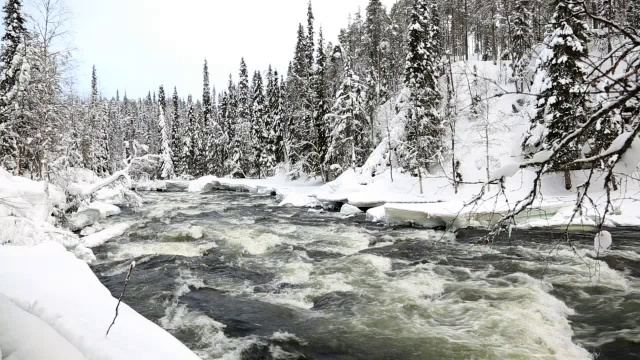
(233, 275)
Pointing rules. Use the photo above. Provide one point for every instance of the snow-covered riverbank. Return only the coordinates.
(399, 201)
(52, 306)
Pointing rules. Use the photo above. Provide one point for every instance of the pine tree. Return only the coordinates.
(521, 42)
(424, 128)
(167, 154)
(562, 103)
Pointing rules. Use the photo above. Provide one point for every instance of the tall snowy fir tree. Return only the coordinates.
(242, 146)
(347, 119)
(423, 130)
(521, 42)
(15, 33)
(321, 107)
(167, 154)
(258, 127)
(188, 146)
(563, 102)
(176, 131)
(633, 14)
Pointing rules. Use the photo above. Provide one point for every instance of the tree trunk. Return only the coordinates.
(567, 180)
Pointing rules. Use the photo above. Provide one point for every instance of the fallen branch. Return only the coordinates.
(126, 281)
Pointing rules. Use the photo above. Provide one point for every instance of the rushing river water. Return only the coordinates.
(286, 283)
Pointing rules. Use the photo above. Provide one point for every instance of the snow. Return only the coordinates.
(57, 300)
(602, 241)
(99, 238)
(629, 161)
(19, 328)
(505, 172)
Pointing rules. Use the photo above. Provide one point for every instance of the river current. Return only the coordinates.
(268, 282)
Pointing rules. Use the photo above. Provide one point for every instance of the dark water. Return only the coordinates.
(267, 282)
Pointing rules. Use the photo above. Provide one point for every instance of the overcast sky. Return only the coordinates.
(137, 45)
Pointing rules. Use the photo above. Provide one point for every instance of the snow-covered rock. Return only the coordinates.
(300, 200)
(377, 214)
(105, 209)
(91, 229)
(347, 209)
(82, 219)
(58, 292)
(105, 235)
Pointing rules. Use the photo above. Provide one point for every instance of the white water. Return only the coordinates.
(410, 294)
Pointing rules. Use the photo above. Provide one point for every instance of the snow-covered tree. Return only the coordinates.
(242, 147)
(167, 154)
(521, 42)
(321, 104)
(258, 120)
(424, 128)
(15, 33)
(347, 140)
(563, 103)
(633, 14)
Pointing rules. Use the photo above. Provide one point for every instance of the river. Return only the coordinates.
(268, 282)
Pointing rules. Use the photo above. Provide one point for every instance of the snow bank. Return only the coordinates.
(33, 200)
(19, 330)
(60, 293)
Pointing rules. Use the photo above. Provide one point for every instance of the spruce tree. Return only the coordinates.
(310, 36)
(167, 154)
(206, 94)
(347, 140)
(258, 129)
(162, 100)
(521, 42)
(562, 104)
(633, 14)
(243, 124)
(188, 151)
(15, 33)
(321, 105)
(176, 132)
(423, 130)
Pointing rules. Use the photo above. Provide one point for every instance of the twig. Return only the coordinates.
(126, 281)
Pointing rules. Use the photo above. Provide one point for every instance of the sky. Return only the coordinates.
(136, 45)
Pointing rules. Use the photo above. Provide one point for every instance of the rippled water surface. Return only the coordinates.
(285, 283)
